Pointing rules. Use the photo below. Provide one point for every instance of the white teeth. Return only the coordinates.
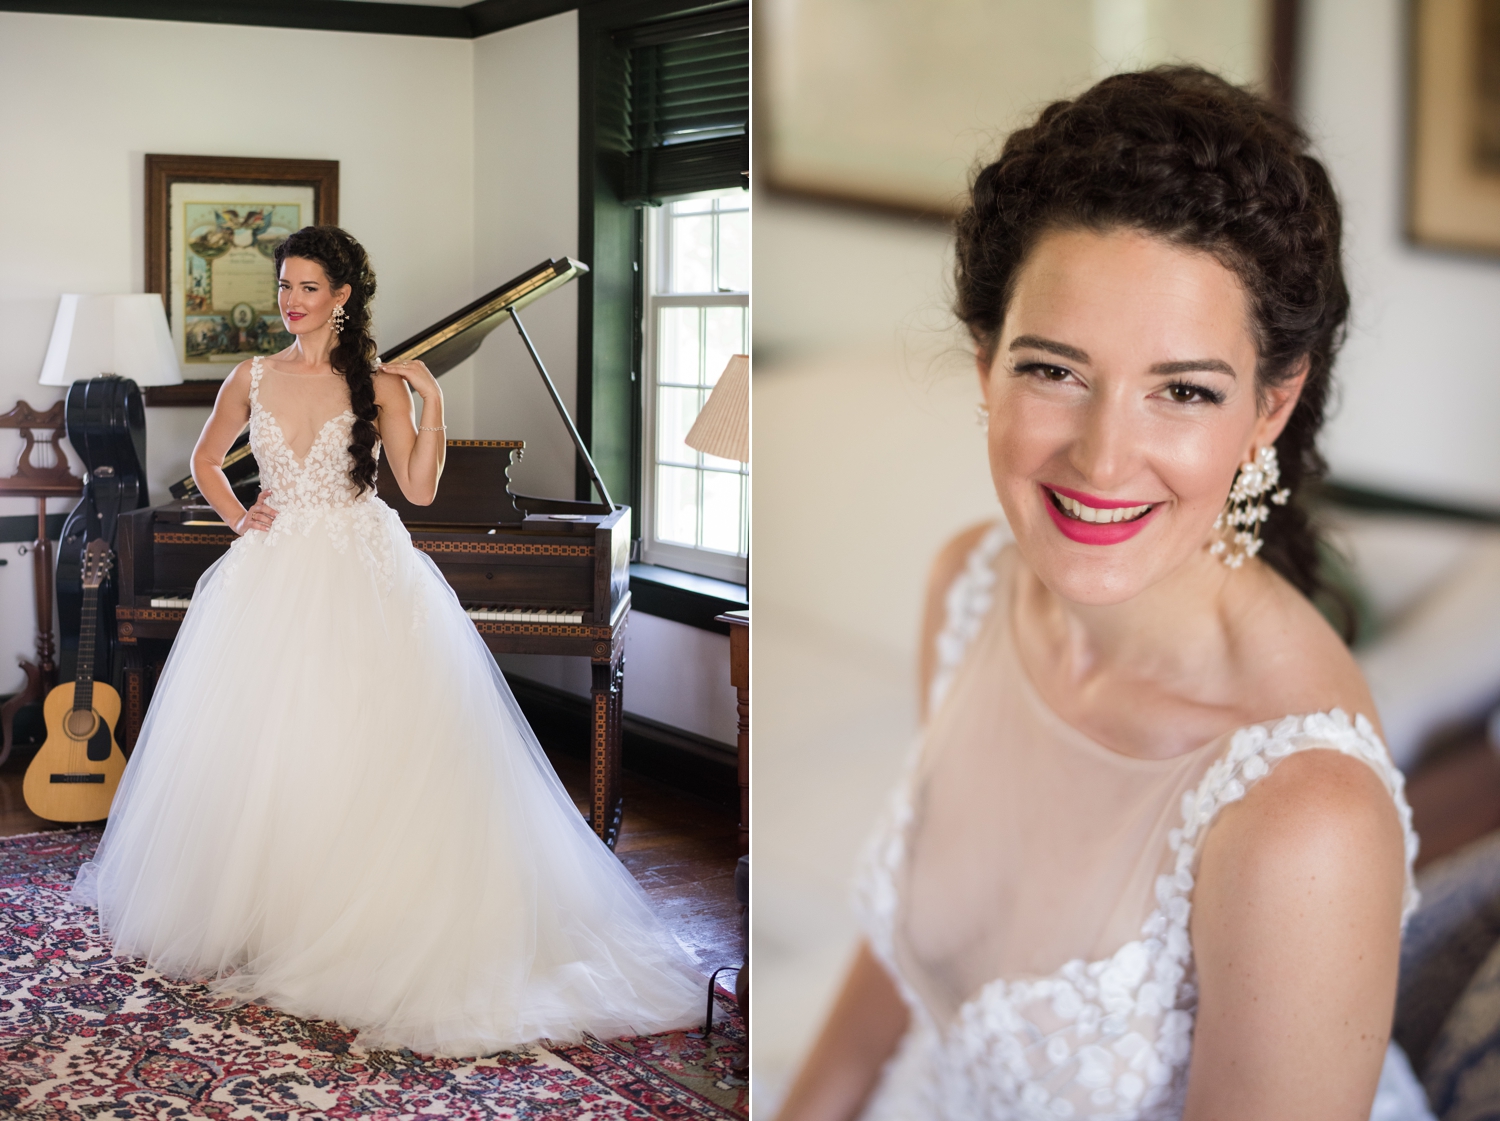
(1089, 514)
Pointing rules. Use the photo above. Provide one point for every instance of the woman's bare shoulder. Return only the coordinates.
(390, 389)
(236, 387)
(1295, 662)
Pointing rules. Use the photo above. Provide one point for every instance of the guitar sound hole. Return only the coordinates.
(80, 723)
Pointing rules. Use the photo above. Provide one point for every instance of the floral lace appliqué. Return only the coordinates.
(1108, 1039)
(317, 493)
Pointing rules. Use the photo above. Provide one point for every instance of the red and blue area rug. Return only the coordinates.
(84, 1036)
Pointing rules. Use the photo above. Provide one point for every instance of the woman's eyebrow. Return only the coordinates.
(1062, 350)
(1194, 365)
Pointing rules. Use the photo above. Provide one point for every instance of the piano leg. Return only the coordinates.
(605, 803)
(135, 695)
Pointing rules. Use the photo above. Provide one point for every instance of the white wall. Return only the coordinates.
(1421, 370)
(526, 210)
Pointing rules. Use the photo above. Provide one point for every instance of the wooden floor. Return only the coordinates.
(681, 849)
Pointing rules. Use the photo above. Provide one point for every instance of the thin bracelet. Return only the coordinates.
(440, 428)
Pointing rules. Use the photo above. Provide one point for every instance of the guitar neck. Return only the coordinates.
(83, 682)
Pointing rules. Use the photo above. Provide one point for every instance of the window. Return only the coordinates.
(696, 314)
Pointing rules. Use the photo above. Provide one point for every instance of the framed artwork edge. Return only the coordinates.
(1278, 83)
(1425, 156)
(162, 171)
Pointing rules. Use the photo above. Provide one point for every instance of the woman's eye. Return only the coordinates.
(1046, 371)
(1185, 393)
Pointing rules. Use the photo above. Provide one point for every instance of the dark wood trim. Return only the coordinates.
(1281, 82)
(489, 16)
(468, 22)
(683, 597)
(200, 391)
(671, 756)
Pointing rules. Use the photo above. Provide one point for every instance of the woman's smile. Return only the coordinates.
(1097, 521)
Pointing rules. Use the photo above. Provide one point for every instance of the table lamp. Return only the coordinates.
(104, 348)
(723, 425)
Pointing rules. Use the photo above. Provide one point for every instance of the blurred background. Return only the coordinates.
(869, 117)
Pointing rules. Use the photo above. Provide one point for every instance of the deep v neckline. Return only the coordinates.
(316, 440)
(258, 368)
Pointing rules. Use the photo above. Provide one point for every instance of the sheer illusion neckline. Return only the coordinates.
(258, 370)
(1005, 606)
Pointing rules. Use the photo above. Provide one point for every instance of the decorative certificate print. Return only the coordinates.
(221, 276)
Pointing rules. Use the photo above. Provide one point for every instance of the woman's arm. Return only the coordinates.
(231, 414)
(1296, 935)
(868, 1020)
(415, 455)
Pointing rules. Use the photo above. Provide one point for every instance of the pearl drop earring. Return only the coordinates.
(339, 315)
(982, 415)
(1244, 513)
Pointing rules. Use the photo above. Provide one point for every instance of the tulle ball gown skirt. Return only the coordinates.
(336, 808)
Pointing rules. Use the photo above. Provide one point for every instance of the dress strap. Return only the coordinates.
(256, 370)
(969, 599)
(1252, 754)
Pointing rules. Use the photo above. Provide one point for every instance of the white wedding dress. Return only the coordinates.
(336, 808)
(1030, 890)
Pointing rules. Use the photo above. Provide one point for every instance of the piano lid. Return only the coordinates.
(449, 341)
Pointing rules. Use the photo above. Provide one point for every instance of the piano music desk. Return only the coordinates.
(548, 585)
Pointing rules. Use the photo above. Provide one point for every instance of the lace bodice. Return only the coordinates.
(316, 492)
(1105, 1034)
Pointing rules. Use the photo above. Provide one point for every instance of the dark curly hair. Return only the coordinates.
(1179, 153)
(345, 261)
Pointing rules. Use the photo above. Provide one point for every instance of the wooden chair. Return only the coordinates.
(40, 483)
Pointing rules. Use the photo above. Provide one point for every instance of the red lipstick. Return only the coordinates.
(1095, 533)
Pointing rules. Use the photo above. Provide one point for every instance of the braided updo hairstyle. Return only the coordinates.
(1180, 153)
(345, 261)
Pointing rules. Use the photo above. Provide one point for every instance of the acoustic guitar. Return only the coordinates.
(78, 768)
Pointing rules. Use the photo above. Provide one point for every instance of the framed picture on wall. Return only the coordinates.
(1453, 195)
(212, 226)
(890, 105)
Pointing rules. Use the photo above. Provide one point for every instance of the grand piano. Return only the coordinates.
(537, 575)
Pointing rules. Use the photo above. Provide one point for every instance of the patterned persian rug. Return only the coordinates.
(83, 1036)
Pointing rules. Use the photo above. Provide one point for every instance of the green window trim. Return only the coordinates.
(620, 164)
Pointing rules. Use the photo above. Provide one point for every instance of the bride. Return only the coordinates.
(1151, 860)
(335, 806)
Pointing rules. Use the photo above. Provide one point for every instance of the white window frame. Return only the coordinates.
(669, 554)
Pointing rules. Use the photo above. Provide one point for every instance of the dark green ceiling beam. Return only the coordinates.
(469, 22)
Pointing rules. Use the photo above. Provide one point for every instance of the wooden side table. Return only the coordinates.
(739, 677)
(41, 483)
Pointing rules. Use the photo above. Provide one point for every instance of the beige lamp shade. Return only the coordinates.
(723, 427)
(124, 335)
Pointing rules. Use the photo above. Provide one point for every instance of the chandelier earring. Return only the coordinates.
(1245, 512)
(982, 415)
(339, 315)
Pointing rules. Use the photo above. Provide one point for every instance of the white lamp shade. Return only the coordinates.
(124, 335)
(723, 427)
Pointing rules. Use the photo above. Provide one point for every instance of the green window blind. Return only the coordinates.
(688, 106)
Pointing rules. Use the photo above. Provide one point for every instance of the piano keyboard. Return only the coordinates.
(483, 614)
(510, 615)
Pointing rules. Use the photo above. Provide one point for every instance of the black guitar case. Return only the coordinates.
(106, 420)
